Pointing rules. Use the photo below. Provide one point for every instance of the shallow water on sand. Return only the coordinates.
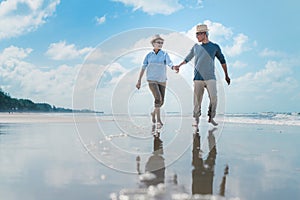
(56, 156)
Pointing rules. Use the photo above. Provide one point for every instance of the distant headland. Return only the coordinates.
(9, 104)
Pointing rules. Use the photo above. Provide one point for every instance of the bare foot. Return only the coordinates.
(212, 121)
(159, 124)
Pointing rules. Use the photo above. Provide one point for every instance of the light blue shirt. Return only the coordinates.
(155, 64)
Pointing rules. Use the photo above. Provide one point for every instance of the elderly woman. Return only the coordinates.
(156, 63)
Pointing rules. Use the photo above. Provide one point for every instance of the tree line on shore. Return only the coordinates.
(9, 104)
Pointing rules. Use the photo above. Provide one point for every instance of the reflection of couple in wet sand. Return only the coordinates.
(155, 166)
(203, 169)
(155, 64)
(203, 172)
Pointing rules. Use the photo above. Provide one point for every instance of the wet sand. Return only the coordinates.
(56, 156)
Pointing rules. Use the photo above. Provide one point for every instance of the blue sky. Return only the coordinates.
(44, 43)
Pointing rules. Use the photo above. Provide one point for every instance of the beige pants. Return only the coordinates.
(158, 90)
(211, 87)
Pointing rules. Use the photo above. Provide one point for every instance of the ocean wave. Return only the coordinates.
(290, 118)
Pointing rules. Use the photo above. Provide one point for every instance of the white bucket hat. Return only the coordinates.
(156, 37)
(201, 28)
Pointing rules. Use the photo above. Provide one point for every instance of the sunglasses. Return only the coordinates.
(159, 42)
(200, 33)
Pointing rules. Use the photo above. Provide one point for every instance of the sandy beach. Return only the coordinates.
(58, 156)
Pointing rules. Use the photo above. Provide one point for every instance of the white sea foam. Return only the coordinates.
(269, 118)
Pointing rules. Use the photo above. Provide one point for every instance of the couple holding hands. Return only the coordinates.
(157, 60)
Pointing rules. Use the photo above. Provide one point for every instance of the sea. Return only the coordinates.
(271, 118)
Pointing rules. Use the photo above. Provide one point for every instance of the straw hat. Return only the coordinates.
(201, 28)
(156, 37)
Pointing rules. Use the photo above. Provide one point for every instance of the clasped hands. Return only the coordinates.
(176, 68)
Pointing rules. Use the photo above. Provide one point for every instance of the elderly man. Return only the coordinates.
(204, 72)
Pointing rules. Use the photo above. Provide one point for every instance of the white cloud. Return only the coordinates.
(112, 74)
(274, 73)
(153, 7)
(23, 79)
(12, 57)
(192, 4)
(13, 52)
(238, 64)
(101, 20)
(265, 89)
(238, 46)
(116, 68)
(33, 14)
(217, 31)
(64, 51)
(271, 53)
